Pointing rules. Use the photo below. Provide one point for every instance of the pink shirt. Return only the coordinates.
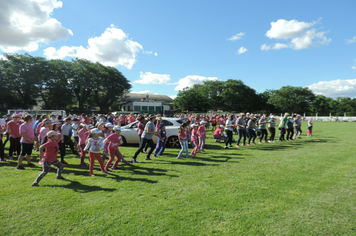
(27, 130)
(202, 131)
(183, 134)
(51, 151)
(43, 133)
(218, 132)
(82, 136)
(114, 140)
(194, 135)
(14, 128)
(141, 127)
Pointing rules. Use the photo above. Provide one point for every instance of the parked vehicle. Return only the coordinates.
(130, 136)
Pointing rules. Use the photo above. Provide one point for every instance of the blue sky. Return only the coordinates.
(163, 46)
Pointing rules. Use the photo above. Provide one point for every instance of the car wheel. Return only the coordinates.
(124, 143)
(173, 142)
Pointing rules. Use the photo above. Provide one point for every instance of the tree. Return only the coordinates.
(291, 99)
(321, 105)
(111, 85)
(191, 99)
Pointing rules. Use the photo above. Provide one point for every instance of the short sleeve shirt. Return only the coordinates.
(149, 126)
(114, 140)
(27, 130)
(51, 151)
(14, 128)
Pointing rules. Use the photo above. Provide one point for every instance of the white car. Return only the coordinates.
(130, 135)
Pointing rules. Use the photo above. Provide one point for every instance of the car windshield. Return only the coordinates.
(180, 121)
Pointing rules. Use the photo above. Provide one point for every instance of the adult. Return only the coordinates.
(283, 126)
(262, 127)
(290, 130)
(251, 125)
(146, 138)
(297, 127)
(67, 136)
(241, 129)
(271, 128)
(27, 139)
(140, 128)
(13, 128)
(229, 126)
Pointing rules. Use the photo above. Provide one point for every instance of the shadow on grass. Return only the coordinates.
(82, 188)
(292, 144)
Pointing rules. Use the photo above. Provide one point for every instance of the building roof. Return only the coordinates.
(136, 97)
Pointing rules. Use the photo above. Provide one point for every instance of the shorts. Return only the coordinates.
(76, 139)
(213, 124)
(26, 149)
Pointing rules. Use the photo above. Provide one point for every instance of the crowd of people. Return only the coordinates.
(96, 134)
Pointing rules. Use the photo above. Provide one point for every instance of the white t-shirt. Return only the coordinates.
(229, 122)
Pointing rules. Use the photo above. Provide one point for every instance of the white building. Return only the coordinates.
(146, 103)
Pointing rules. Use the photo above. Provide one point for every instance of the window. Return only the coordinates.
(128, 108)
(152, 108)
(181, 121)
(144, 108)
(158, 109)
(137, 108)
(167, 123)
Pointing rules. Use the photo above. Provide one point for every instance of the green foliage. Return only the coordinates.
(25, 80)
(291, 99)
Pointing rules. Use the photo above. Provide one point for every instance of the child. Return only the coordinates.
(202, 135)
(114, 141)
(107, 130)
(219, 134)
(83, 133)
(182, 136)
(310, 128)
(161, 141)
(50, 157)
(195, 139)
(94, 145)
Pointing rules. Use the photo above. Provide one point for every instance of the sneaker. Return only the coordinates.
(148, 159)
(237, 145)
(34, 185)
(259, 143)
(134, 161)
(195, 157)
(3, 160)
(60, 177)
(254, 143)
(91, 175)
(226, 147)
(154, 155)
(64, 162)
(113, 168)
(20, 167)
(40, 162)
(299, 137)
(31, 165)
(248, 144)
(202, 150)
(106, 171)
(178, 157)
(230, 145)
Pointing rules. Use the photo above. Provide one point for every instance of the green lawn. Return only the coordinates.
(301, 187)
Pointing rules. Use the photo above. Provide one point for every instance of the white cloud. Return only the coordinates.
(2, 57)
(24, 24)
(150, 78)
(150, 52)
(191, 80)
(112, 48)
(242, 50)
(353, 40)
(353, 67)
(236, 36)
(299, 34)
(277, 46)
(144, 92)
(335, 88)
(173, 96)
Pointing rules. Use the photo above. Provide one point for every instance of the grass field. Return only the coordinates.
(301, 187)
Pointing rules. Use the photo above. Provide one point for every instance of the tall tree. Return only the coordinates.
(291, 99)
(111, 84)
